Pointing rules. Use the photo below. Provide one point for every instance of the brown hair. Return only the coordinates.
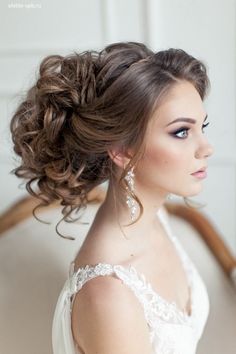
(85, 103)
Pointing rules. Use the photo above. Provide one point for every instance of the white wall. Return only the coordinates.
(204, 28)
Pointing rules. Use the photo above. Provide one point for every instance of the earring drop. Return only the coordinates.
(130, 201)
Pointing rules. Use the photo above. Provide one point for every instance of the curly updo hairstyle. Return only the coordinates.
(85, 103)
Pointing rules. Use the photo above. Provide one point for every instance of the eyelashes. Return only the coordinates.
(185, 129)
(205, 125)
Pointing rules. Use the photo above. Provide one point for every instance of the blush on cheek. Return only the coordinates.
(159, 158)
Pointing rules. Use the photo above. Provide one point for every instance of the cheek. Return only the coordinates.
(167, 157)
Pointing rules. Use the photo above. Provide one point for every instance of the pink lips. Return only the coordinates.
(200, 173)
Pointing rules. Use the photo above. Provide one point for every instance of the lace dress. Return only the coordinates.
(171, 330)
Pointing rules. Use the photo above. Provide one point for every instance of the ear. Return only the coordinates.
(120, 156)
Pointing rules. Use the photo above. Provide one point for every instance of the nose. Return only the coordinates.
(205, 150)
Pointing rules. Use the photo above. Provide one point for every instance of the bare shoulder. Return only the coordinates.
(108, 318)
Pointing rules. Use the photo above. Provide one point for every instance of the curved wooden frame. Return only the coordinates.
(22, 210)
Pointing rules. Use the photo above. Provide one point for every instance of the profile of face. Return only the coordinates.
(175, 150)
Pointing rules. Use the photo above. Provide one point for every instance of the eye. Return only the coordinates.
(181, 133)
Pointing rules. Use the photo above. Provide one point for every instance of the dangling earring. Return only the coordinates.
(130, 201)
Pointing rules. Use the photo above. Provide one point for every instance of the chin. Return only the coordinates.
(194, 193)
(187, 194)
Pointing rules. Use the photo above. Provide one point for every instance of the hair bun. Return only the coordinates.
(67, 82)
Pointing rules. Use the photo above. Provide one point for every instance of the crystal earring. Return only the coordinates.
(130, 201)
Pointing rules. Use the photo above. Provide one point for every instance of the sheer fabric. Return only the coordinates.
(171, 330)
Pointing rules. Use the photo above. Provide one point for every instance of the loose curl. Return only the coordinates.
(85, 103)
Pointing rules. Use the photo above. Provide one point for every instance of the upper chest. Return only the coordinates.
(164, 269)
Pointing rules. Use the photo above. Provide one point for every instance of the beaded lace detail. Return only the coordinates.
(155, 307)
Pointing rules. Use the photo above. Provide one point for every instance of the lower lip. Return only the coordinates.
(202, 174)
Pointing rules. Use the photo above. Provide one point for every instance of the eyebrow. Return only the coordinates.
(185, 119)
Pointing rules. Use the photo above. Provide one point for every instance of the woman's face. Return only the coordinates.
(175, 150)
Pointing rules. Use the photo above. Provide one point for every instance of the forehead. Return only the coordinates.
(182, 100)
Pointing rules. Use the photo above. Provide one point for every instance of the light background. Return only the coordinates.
(30, 30)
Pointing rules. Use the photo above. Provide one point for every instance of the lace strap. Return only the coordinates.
(155, 308)
(82, 275)
(137, 285)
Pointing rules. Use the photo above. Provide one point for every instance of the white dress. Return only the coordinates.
(172, 331)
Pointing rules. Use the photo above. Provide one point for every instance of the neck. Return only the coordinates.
(116, 213)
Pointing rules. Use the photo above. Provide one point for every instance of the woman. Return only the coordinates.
(134, 118)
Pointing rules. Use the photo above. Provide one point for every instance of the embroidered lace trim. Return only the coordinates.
(155, 307)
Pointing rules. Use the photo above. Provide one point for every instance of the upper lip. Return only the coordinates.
(201, 169)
